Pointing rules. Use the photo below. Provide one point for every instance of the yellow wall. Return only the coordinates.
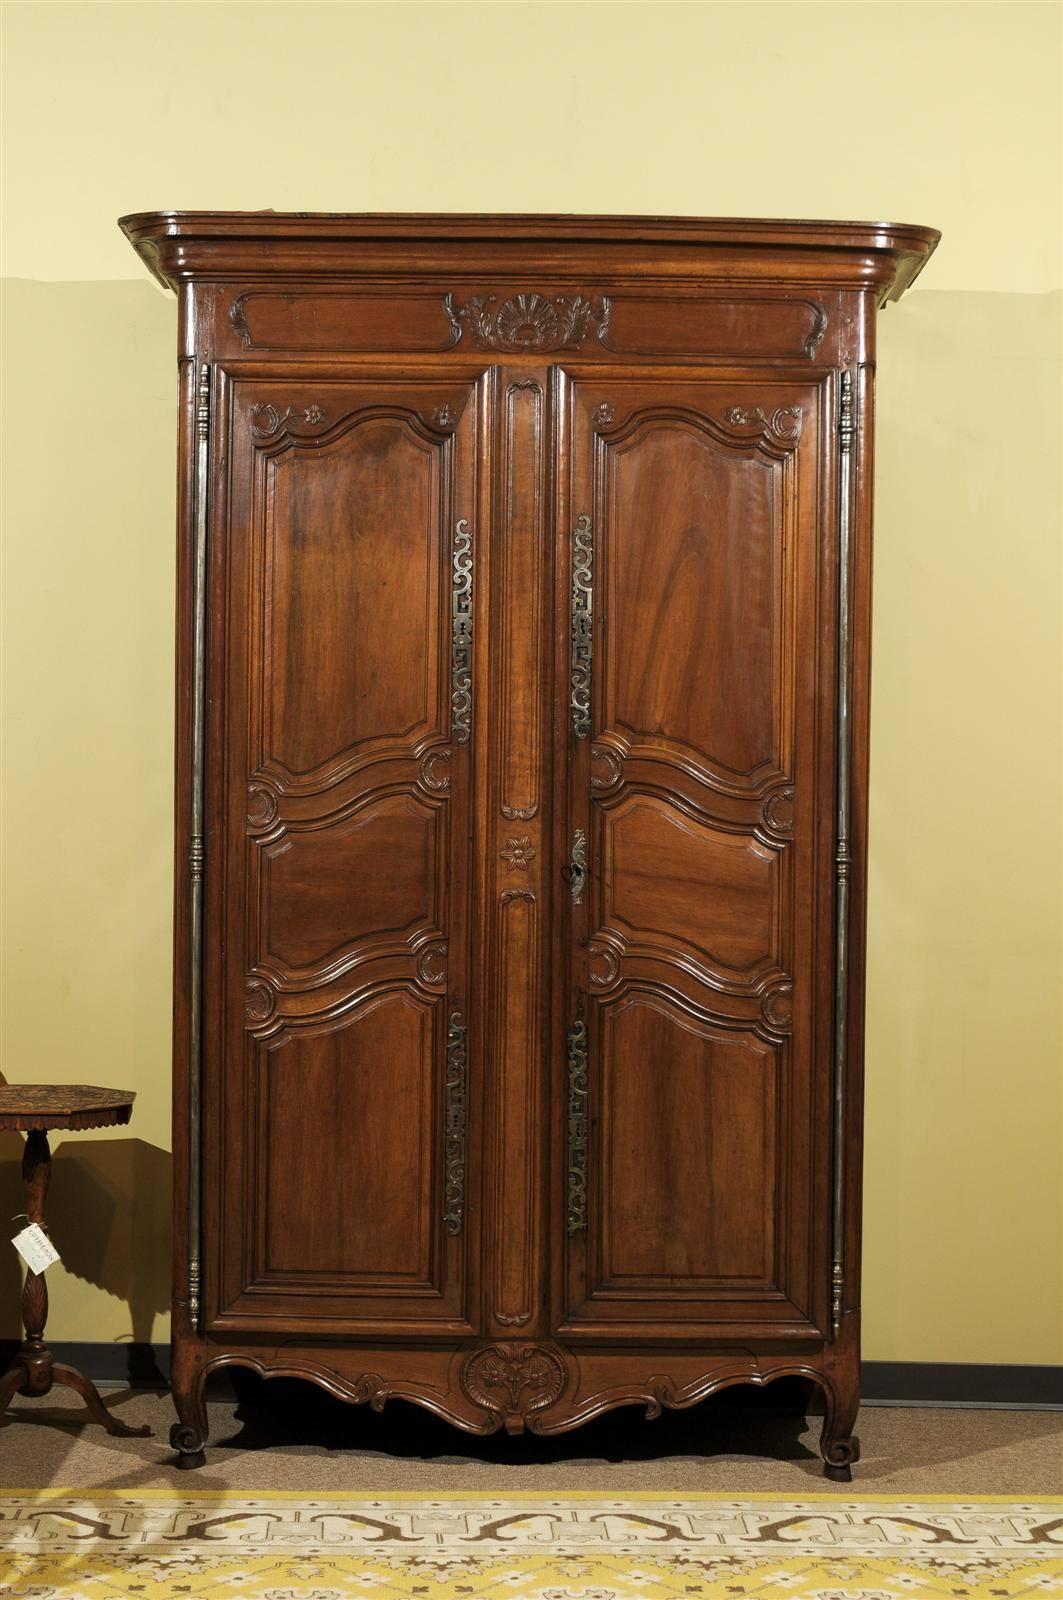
(941, 114)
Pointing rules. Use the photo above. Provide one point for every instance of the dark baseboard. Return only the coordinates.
(886, 1383)
(961, 1383)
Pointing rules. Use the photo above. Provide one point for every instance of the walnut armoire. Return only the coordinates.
(523, 624)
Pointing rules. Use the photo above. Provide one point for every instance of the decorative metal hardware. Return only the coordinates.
(196, 845)
(461, 636)
(577, 1125)
(582, 638)
(576, 871)
(454, 1127)
(841, 855)
(527, 321)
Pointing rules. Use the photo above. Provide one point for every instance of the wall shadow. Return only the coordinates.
(108, 1213)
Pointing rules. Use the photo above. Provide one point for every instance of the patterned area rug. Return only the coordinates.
(208, 1545)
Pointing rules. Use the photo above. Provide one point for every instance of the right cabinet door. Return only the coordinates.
(699, 668)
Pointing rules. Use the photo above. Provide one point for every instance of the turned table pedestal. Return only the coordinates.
(34, 1108)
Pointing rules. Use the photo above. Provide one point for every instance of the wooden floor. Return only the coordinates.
(292, 1437)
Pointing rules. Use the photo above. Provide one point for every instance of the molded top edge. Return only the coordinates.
(504, 224)
(152, 232)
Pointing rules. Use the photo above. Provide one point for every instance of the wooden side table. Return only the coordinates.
(33, 1108)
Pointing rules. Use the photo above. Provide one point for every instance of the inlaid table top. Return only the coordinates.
(62, 1105)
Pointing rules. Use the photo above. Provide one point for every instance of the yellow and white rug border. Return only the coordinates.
(202, 1543)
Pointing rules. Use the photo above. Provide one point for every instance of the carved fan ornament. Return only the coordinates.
(527, 321)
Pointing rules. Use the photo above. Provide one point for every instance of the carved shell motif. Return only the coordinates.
(527, 321)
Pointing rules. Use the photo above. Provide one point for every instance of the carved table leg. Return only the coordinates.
(10, 1384)
(34, 1359)
(70, 1378)
(33, 1371)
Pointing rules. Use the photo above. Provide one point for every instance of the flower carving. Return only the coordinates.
(514, 1380)
(266, 419)
(518, 854)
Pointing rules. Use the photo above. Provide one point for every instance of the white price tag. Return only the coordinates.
(35, 1248)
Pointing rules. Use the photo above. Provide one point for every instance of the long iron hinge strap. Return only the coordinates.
(196, 849)
(461, 635)
(846, 433)
(455, 1121)
(577, 1125)
(582, 626)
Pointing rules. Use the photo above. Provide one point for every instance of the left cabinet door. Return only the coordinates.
(339, 1072)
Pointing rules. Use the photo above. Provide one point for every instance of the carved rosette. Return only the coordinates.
(513, 1381)
(518, 854)
(527, 321)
